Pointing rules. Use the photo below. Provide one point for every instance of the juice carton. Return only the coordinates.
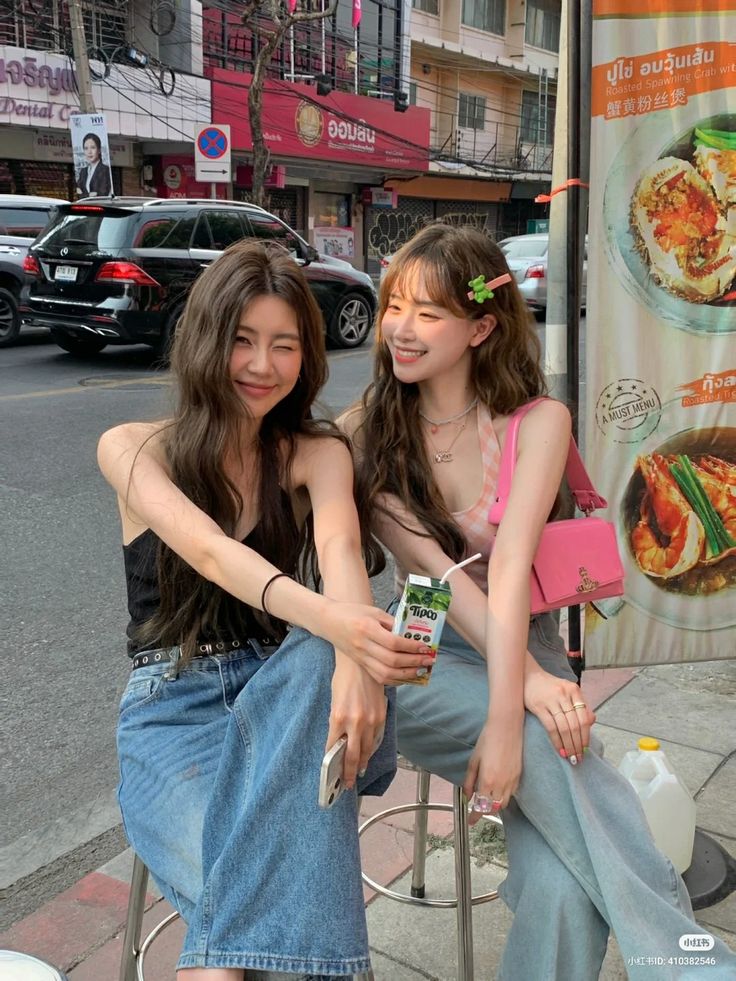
(421, 615)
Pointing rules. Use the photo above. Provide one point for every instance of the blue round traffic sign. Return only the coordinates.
(212, 143)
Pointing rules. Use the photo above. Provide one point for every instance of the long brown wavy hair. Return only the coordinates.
(205, 431)
(505, 372)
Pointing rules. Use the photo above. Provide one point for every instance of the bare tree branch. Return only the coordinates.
(283, 22)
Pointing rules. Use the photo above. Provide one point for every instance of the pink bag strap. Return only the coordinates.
(581, 486)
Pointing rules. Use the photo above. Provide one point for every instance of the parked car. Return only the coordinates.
(527, 259)
(21, 219)
(118, 271)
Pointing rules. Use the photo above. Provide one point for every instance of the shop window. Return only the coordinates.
(331, 210)
(428, 6)
(487, 15)
(471, 111)
(543, 24)
(537, 125)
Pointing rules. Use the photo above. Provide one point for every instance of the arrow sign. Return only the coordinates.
(212, 154)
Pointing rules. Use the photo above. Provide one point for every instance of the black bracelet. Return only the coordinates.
(266, 588)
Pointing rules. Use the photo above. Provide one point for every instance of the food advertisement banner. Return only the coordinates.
(661, 326)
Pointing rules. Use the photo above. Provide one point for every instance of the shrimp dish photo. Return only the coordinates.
(682, 521)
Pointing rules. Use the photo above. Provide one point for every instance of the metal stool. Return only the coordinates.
(464, 900)
(134, 952)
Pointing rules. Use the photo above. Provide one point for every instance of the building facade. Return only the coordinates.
(429, 108)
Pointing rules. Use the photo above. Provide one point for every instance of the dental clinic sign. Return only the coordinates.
(29, 88)
(38, 90)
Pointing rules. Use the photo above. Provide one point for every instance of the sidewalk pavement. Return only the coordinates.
(689, 708)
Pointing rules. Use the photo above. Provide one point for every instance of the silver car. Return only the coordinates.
(527, 259)
(21, 218)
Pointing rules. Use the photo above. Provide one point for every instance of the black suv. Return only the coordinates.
(118, 271)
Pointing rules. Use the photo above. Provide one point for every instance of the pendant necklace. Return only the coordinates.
(445, 456)
(434, 424)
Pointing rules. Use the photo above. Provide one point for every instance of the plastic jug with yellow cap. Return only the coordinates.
(667, 803)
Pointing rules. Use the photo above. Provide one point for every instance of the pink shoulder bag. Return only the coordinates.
(577, 560)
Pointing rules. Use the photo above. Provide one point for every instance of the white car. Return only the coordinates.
(527, 259)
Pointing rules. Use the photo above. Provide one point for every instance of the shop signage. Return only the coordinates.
(339, 242)
(37, 89)
(174, 177)
(275, 176)
(53, 145)
(344, 127)
(661, 363)
(380, 197)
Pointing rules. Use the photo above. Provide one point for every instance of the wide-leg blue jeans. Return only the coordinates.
(581, 857)
(219, 777)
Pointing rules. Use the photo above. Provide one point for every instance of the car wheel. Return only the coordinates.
(9, 318)
(162, 344)
(81, 346)
(351, 322)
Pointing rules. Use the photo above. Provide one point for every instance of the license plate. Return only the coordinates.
(67, 274)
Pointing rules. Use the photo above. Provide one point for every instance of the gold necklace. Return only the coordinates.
(445, 456)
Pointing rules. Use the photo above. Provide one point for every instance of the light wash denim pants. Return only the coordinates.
(219, 778)
(581, 857)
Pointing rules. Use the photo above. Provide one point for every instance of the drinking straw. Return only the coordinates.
(459, 565)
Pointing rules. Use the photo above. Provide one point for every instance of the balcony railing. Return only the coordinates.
(498, 147)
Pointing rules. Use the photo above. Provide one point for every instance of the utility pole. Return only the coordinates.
(79, 44)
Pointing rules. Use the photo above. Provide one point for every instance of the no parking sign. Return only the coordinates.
(212, 154)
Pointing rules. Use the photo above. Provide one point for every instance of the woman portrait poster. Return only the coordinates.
(93, 177)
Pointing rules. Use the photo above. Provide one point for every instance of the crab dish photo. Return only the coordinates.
(683, 216)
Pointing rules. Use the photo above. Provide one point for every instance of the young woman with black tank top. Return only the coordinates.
(227, 510)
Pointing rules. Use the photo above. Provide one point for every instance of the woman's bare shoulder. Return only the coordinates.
(131, 438)
(350, 422)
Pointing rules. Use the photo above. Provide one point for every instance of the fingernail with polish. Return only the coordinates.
(585, 749)
(424, 649)
(574, 760)
(361, 773)
(563, 754)
(421, 672)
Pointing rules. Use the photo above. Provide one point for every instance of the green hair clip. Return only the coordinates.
(480, 290)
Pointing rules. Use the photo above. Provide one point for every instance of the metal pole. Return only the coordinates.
(213, 190)
(79, 45)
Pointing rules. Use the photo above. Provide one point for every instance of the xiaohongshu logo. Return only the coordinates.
(356, 135)
(696, 941)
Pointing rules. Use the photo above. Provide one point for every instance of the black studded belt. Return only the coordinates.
(208, 648)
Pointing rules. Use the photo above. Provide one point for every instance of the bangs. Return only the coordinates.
(439, 284)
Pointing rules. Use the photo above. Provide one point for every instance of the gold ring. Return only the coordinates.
(579, 705)
(567, 711)
(554, 714)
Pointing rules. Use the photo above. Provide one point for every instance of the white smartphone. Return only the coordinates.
(330, 777)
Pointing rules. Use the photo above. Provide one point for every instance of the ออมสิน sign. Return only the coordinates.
(661, 363)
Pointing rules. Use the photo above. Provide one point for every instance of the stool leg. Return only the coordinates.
(134, 921)
(463, 888)
(420, 836)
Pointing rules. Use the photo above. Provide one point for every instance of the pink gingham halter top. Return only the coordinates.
(473, 521)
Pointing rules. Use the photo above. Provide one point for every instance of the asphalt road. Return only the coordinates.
(63, 597)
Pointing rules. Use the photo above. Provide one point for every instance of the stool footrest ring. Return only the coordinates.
(401, 897)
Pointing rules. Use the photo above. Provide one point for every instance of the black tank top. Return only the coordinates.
(141, 577)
